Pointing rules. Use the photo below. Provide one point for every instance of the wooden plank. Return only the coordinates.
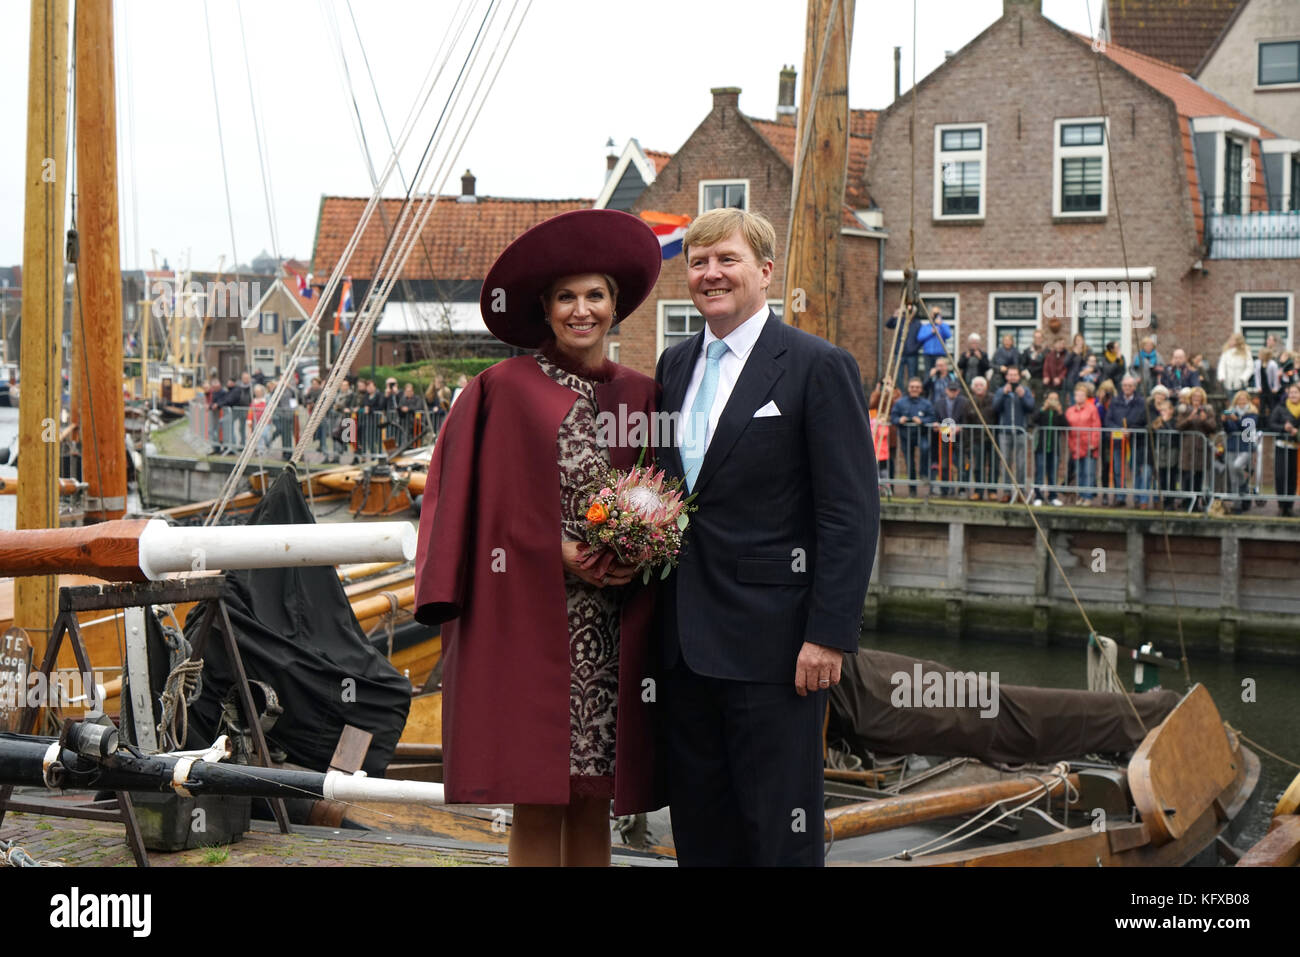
(351, 751)
(424, 720)
(1280, 847)
(1181, 767)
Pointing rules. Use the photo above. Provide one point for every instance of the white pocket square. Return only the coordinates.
(765, 411)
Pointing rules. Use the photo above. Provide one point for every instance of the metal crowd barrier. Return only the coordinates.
(358, 433)
(1261, 470)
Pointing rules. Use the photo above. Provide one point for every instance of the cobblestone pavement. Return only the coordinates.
(78, 843)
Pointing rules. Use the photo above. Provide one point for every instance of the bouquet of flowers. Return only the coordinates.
(639, 516)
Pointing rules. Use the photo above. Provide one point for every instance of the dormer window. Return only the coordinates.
(1233, 149)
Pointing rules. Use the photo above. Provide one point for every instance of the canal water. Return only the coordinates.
(1272, 718)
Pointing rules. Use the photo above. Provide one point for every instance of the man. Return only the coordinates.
(215, 394)
(950, 409)
(932, 337)
(1178, 374)
(912, 416)
(1011, 407)
(1126, 418)
(974, 362)
(910, 352)
(774, 442)
(938, 380)
(976, 442)
(239, 398)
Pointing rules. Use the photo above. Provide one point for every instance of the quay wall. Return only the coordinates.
(984, 571)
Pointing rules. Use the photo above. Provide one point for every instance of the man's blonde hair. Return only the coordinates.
(717, 224)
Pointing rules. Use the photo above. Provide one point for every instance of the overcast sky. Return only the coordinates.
(580, 72)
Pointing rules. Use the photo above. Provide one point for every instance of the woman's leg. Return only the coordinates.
(536, 835)
(586, 833)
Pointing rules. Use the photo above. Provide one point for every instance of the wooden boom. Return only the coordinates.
(885, 814)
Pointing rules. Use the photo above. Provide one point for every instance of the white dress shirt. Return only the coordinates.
(739, 342)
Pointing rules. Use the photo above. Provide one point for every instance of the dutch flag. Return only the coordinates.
(669, 228)
(345, 307)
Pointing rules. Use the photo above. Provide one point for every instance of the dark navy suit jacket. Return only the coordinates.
(780, 550)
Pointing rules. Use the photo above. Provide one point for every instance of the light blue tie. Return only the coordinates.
(697, 424)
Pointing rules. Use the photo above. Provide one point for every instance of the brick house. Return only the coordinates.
(1246, 51)
(1024, 181)
(734, 159)
(433, 308)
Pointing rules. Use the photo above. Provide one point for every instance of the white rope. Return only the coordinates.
(423, 95)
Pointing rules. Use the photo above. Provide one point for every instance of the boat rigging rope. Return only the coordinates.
(263, 161)
(1257, 745)
(221, 147)
(1119, 221)
(11, 855)
(336, 375)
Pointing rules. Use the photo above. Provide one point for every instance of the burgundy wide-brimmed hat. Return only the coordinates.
(581, 241)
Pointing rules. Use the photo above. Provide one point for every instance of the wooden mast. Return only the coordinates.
(812, 284)
(38, 407)
(103, 443)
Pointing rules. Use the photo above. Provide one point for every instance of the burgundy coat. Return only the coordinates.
(489, 567)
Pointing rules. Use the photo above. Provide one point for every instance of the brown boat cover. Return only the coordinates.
(874, 709)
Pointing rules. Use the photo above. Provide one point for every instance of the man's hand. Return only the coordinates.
(597, 568)
(817, 668)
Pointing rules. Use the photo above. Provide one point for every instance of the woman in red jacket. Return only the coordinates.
(546, 644)
(1084, 441)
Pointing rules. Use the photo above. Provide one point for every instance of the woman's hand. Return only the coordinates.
(599, 568)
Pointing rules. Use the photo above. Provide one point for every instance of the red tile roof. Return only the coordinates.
(659, 158)
(862, 123)
(462, 239)
(1180, 32)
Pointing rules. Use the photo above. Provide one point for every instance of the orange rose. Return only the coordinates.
(597, 513)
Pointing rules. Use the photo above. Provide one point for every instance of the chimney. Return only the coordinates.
(467, 188)
(611, 158)
(1022, 6)
(726, 96)
(785, 108)
(898, 71)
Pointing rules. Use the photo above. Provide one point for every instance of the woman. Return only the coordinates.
(1047, 422)
(1165, 445)
(545, 642)
(1236, 365)
(1266, 385)
(1241, 431)
(1084, 441)
(1147, 365)
(1112, 364)
(1102, 399)
(1196, 416)
(1286, 422)
(889, 446)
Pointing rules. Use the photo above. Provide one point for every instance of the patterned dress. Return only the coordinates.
(593, 612)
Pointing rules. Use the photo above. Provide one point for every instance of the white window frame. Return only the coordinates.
(1264, 87)
(1278, 294)
(982, 155)
(722, 182)
(262, 318)
(662, 305)
(993, 344)
(1061, 153)
(264, 354)
(1126, 313)
(613, 350)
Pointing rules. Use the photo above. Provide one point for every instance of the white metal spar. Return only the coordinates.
(165, 548)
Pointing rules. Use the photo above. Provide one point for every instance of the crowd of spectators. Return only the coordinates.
(1091, 424)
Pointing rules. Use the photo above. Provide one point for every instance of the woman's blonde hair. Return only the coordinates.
(1198, 391)
(1241, 394)
(1106, 388)
(717, 224)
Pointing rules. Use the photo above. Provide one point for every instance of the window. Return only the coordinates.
(264, 359)
(1295, 184)
(1279, 62)
(613, 351)
(1016, 316)
(680, 320)
(1233, 173)
(1080, 174)
(270, 322)
(1264, 314)
(960, 154)
(1102, 318)
(723, 194)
